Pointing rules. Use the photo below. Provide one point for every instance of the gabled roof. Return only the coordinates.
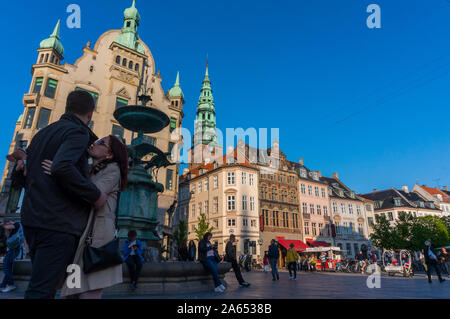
(210, 166)
(336, 185)
(386, 199)
(437, 191)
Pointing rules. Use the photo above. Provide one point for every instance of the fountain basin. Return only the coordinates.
(157, 279)
(141, 119)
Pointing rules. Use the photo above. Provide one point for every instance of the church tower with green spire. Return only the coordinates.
(206, 147)
(205, 122)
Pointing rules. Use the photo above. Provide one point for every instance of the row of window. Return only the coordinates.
(125, 63)
(344, 208)
(44, 58)
(280, 177)
(317, 229)
(232, 181)
(231, 222)
(50, 88)
(231, 203)
(43, 118)
(348, 228)
(273, 195)
(314, 209)
(272, 218)
(316, 191)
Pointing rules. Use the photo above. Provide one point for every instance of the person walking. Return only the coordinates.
(109, 172)
(432, 261)
(266, 263)
(323, 261)
(207, 257)
(422, 260)
(273, 256)
(14, 241)
(55, 210)
(192, 251)
(445, 261)
(132, 256)
(292, 258)
(230, 256)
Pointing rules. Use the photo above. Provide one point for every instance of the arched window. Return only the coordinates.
(130, 65)
(124, 62)
(52, 59)
(46, 57)
(136, 67)
(118, 59)
(42, 58)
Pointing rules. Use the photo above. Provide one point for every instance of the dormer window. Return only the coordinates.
(397, 202)
(216, 165)
(341, 192)
(421, 204)
(315, 176)
(352, 194)
(303, 173)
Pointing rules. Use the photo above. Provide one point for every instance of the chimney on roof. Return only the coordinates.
(335, 176)
(446, 188)
(374, 190)
(319, 173)
(405, 189)
(300, 160)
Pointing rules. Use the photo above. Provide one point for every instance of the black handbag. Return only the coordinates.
(96, 259)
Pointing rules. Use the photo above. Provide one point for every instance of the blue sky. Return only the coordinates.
(370, 104)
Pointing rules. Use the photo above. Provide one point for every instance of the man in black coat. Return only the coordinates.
(55, 208)
(274, 255)
(432, 261)
(230, 256)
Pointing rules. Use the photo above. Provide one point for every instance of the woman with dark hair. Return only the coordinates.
(206, 255)
(192, 251)
(109, 172)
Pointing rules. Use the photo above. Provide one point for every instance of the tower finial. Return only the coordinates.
(56, 30)
(177, 82)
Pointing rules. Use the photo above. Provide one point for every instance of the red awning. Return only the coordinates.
(317, 243)
(298, 244)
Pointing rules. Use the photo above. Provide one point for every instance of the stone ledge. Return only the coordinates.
(164, 278)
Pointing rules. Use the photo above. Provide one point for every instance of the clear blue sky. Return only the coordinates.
(372, 105)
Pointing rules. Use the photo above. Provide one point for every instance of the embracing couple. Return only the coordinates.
(64, 196)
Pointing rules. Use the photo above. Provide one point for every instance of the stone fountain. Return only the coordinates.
(138, 205)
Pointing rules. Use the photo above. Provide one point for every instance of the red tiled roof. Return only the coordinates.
(209, 167)
(317, 243)
(436, 191)
(298, 244)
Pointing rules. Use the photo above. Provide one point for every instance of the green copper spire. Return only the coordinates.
(176, 90)
(205, 123)
(128, 36)
(54, 41)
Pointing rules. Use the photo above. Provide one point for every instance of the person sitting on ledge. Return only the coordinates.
(132, 256)
(209, 259)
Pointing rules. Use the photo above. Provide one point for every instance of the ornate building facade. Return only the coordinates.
(114, 71)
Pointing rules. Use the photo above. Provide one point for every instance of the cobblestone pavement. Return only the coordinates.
(310, 285)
